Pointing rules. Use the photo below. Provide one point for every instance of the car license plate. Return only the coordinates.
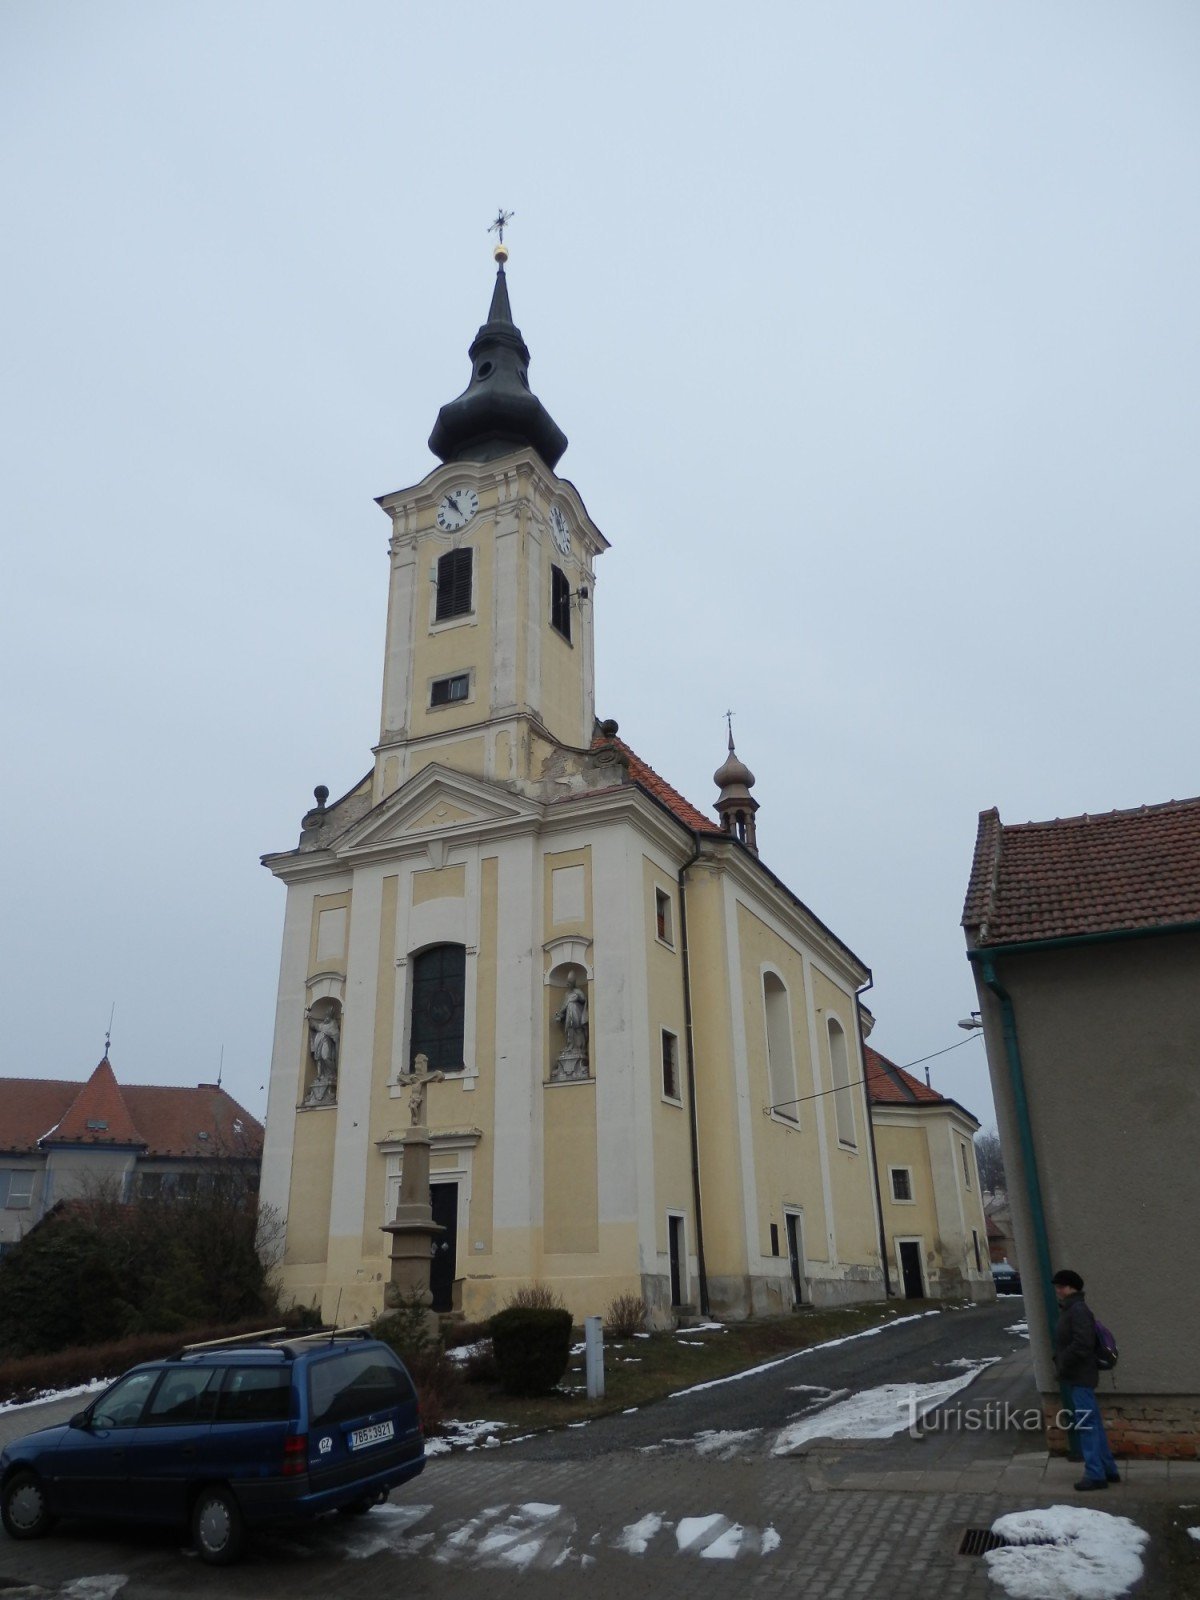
(372, 1435)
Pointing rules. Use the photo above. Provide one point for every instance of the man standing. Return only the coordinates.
(1075, 1363)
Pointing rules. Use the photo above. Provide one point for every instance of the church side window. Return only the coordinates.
(453, 584)
(445, 691)
(843, 1103)
(560, 602)
(439, 977)
(781, 1066)
(670, 1065)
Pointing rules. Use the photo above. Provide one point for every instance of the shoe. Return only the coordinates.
(1092, 1483)
(1113, 1477)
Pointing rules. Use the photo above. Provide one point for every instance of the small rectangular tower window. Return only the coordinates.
(560, 602)
(662, 916)
(901, 1183)
(966, 1161)
(670, 1065)
(453, 584)
(446, 691)
(774, 1238)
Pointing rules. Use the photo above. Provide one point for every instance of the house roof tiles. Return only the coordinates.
(159, 1121)
(890, 1085)
(1117, 872)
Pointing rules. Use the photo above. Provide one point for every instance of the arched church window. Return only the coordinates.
(781, 1066)
(439, 977)
(453, 584)
(560, 602)
(843, 1102)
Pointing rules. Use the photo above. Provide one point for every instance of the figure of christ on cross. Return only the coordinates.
(416, 1081)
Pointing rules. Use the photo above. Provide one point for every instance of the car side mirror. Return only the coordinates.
(81, 1419)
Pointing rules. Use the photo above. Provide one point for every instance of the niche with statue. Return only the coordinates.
(324, 1022)
(570, 1028)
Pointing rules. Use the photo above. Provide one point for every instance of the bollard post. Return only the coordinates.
(593, 1336)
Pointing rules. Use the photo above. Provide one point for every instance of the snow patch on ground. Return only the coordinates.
(635, 1536)
(460, 1435)
(1194, 1533)
(871, 1413)
(1066, 1553)
(464, 1352)
(102, 1587)
(974, 1362)
(1019, 1327)
(47, 1395)
(767, 1366)
(723, 1445)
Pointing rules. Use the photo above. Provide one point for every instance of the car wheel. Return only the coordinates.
(218, 1531)
(24, 1508)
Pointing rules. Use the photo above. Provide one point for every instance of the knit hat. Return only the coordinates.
(1069, 1280)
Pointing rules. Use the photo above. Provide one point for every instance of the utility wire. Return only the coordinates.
(858, 1082)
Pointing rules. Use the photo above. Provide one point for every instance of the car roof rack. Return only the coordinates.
(257, 1337)
(360, 1330)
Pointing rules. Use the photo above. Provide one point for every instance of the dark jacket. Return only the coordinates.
(1075, 1343)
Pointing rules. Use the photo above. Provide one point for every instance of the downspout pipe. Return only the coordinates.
(1033, 1187)
(693, 1129)
(862, 1056)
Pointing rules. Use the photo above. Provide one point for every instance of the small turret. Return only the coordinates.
(735, 804)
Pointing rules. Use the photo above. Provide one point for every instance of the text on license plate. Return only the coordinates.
(371, 1435)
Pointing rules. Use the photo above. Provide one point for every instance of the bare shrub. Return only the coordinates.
(535, 1297)
(626, 1315)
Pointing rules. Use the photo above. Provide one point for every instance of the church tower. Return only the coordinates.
(489, 660)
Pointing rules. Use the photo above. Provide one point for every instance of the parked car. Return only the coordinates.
(224, 1438)
(1007, 1279)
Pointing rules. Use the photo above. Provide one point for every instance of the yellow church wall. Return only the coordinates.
(849, 1170)
(324, 951)
(311, 1187)
(587, 1281)
(570, 1188)
(906, 1147)
(483, 1100)
(374, 1243)
(462, 644)
(787, 1157)
(450, 883)
(560, 861)
(467, 755)
(716, 1096)
(664, 984)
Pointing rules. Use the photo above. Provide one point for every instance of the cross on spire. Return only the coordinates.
(503, 218)
(729, 724)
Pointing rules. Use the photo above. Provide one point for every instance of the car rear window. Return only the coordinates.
(256, 1394)
(354, 1383)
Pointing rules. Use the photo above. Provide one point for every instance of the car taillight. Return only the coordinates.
(295, 1455)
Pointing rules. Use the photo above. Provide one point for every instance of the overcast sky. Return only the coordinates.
(874, 331)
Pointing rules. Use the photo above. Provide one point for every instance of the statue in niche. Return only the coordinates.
(324, 1040)
(572, 1060)
(418, 1078)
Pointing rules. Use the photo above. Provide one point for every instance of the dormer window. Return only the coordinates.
(560, 602)
(453, 585)
(96, 1125)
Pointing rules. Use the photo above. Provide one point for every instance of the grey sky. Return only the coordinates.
(874, 330)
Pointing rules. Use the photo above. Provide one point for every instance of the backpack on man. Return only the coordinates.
(1107, 1354)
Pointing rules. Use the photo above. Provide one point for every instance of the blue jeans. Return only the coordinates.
(1098, 1463)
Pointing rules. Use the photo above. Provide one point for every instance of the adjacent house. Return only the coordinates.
(60, 1140)
(933, 1218)
(1084, 937)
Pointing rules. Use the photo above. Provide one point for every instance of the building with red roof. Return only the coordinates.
(60, 1140)
(933, 1214)
(1084, 936)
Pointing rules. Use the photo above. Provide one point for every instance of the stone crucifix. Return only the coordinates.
(416, 1080)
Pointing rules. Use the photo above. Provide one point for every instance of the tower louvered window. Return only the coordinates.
(560, 602)
(453, 584)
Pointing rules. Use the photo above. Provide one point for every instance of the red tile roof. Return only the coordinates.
(644, 775)
(40, 1112)
(1113, 873)
(890, 1085)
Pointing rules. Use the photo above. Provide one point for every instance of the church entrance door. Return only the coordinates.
(443, 1201)
(910, 1268)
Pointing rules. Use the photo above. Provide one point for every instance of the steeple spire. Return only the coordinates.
(735, 804)
(497, 413)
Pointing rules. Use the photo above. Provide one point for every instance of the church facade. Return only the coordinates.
(637, 1052)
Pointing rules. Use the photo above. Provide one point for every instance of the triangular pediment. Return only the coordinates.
(437, 803)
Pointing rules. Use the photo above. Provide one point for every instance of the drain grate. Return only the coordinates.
(978, 1541)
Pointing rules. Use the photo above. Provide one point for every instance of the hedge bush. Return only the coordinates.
(532, 1346)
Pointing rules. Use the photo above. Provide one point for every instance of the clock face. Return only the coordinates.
(559, 530)
(456, 509)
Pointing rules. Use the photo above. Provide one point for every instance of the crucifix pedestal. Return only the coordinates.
(413, 1229)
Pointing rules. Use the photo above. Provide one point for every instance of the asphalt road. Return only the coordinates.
(632, 1499)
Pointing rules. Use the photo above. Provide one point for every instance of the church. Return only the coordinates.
(639, 1053)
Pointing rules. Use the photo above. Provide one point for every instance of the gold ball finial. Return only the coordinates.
(500, 253)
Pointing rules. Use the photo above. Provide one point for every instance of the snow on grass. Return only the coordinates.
(464, 1352)
(751, 1372)
(1066, 1553)
(871, 1413)
(47, 1395)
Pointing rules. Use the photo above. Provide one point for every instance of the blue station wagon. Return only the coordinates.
(222, 1438)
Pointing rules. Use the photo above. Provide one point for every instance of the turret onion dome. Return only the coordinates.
(497, 412)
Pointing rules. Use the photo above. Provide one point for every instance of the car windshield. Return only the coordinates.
(354, 1383)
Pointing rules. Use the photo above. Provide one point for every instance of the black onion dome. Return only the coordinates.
(496, 413)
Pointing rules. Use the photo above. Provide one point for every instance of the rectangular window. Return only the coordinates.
(662, 917)
(150, 1185)
(20, 1188)
(975, 1242)
(901, 1183)
(560, 602)
(453, 585)
(256, 1394)
(446, 691)
(670, 1065)
(774, 1238)
(966, 1161)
